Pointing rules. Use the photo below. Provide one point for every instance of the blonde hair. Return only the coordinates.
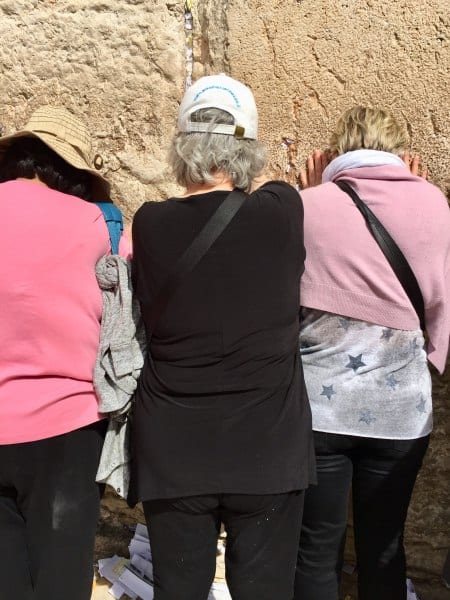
(370, 128)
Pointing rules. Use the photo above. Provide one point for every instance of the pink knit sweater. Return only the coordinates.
(51, 307)
(346, 272)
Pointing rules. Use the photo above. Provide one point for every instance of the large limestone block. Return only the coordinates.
(119, 64)
(307, 61)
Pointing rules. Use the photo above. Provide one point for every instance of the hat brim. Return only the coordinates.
(101, 186)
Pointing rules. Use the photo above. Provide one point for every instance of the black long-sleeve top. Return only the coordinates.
(221, 406)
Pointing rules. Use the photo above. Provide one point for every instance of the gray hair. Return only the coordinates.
(197, 157)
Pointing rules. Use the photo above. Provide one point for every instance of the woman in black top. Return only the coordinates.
(222, 427)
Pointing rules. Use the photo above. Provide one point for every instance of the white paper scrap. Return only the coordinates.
(116, 591)
(112, 568)
(137, 585)
(410, 591)
(140, 548)
(219, 591)
(144, 568)
(140, 544)
(141, 531)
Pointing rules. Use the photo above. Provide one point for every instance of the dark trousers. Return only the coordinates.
(262, 542)
(381, 474)
(49, 508)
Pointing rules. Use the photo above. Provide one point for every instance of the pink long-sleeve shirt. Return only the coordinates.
(50, 311)
(347, 274)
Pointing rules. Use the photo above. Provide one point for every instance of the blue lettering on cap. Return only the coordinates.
(219, 87)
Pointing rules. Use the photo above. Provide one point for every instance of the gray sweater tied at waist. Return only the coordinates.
(119, 362)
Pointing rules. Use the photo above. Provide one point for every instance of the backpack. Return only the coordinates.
(114, 222)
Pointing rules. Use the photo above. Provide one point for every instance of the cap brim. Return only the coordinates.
(199, 127)
(66, 152)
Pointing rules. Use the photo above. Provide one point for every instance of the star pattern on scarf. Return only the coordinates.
(386, 334)
(355, 362)
(367, 417)
(327, 390)
(391, 381)
(421, 405)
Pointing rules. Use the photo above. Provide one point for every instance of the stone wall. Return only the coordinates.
(307, 61)
(121, 64)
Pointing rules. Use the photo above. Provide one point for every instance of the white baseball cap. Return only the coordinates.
(224, 93)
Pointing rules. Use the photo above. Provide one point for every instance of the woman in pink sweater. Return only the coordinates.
(51, 432)
(364, 352)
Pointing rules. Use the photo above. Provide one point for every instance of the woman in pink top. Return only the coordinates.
(364, 353)
(51, 433)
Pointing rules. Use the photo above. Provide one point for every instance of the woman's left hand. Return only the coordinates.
(315, 166)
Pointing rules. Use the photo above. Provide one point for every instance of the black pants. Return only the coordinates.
(382, 474)
(262, 542)
(49, 508)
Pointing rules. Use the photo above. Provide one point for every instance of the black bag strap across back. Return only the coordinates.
(214, 227)
(392, 252)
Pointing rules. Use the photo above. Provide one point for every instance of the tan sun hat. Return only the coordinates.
(66, 135)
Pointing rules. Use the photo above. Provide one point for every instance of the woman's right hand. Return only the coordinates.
(413, 164)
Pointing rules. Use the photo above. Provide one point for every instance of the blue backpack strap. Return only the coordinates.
(114, 222)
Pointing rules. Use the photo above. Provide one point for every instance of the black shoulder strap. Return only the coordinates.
(194, 253)
(392, 252)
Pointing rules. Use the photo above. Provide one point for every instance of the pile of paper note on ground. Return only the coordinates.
(133, 577)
